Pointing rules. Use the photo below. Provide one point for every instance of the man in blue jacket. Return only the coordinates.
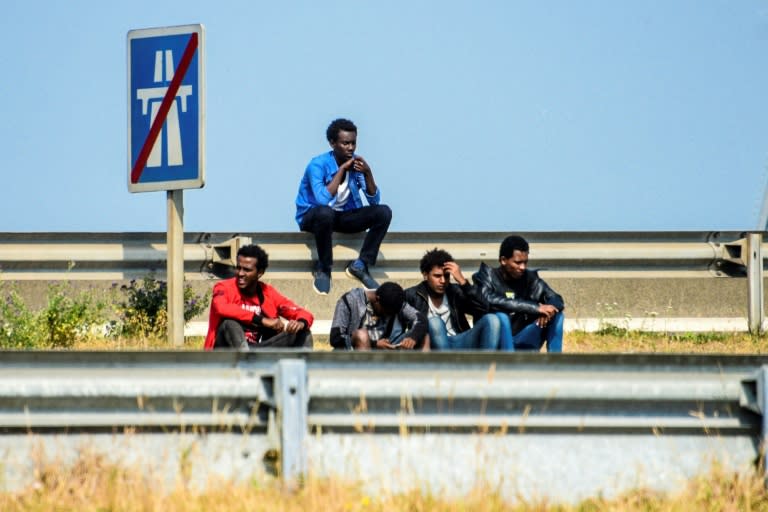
(329, 200)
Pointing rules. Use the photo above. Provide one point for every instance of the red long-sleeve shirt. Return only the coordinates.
(229, 302)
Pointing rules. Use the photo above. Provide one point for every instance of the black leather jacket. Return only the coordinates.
(463, 300)
(522, 310)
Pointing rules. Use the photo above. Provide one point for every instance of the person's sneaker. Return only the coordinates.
(322, 284)
(359, 270)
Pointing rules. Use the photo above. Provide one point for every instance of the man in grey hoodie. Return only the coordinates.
(377, 319)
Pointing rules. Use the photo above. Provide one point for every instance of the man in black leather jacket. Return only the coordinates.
(446, 304)
(531, 311)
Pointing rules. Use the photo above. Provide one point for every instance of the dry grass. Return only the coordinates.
(149, 343)
(618, 340)
(611, 341)
(92, 484)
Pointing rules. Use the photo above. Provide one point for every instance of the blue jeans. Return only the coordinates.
(532, 337)
(484, 335)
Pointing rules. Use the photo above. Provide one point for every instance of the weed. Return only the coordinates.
(76, 319)
(699, 338)
(67, 318)
(19, 327)
(144, 313)
(607, 329)
(608, 326)
(660, 342)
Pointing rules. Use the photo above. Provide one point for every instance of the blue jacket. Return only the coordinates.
(317, 175)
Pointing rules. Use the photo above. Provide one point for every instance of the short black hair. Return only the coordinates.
(434, 258)
(511, 244)
(391, 297)
(255, 251)
(337, 125)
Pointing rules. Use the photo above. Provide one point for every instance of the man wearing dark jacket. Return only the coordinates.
(531, 312)
(446, 305)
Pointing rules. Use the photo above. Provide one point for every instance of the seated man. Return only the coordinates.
(530, 311)
(329, 200)
(377, 319)
(446, 305)
(246, 312)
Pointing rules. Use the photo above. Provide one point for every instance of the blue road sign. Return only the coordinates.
(165, 108)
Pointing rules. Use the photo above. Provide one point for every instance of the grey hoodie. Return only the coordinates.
(350, 314)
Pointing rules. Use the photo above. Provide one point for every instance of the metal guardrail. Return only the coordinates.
(124, 255)
(117, 256)
(534, 425)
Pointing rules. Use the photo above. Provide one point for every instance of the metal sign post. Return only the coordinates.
(166, 136)
(175, 264)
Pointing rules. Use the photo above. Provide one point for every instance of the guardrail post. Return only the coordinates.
(225, 253)
(292, 400)
(761, 397)
(755, 282)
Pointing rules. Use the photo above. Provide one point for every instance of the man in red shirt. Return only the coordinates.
(247, 313)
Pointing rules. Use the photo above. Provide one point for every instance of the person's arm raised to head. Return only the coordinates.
(361, 166)
(333, 185)
(322, 193)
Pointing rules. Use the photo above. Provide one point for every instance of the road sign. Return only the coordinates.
(165, 108)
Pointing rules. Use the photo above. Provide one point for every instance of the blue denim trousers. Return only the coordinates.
(532, 337)
(484, 335)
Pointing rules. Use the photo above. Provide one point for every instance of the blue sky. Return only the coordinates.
(475, 116)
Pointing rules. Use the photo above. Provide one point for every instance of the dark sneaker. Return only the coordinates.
(359, 270)
(322, 284)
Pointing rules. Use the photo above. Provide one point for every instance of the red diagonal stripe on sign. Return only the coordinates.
(165, 107)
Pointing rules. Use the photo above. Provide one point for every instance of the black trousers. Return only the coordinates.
(231, 334)
(322, 221)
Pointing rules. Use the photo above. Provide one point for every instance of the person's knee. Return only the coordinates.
(229, 334)
(229, 325)
(490, 327)
(503, 318)
(383, 214)
(559, 320)
(438, 335)
(491, 321)
(435, 325)
(361, 340)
